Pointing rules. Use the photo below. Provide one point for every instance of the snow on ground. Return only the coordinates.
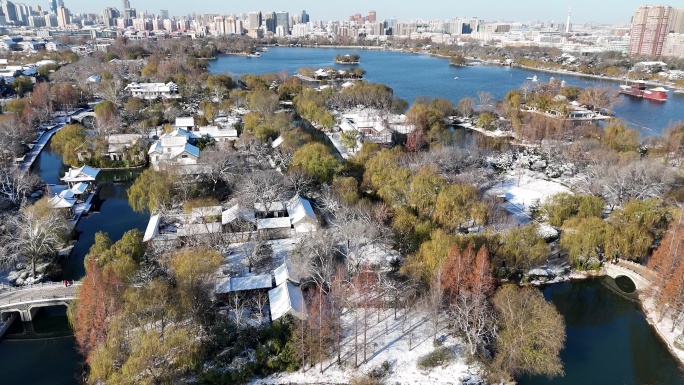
(663, 328)
(524, 189)
(380, 255)
(399, 342)
(336, 141)
(235, 256)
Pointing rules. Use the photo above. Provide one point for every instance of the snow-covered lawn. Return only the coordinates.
(400, 343)
(663, 328)
(524, 189)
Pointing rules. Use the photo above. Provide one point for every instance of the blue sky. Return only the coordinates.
(602, 11)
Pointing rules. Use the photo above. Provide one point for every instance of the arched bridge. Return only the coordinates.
(86, 117)
(639, 274)
(27, 300)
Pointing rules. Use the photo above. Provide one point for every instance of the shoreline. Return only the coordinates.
(662, 328)
(486, 62)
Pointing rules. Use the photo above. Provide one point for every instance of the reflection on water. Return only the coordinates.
(609, 340)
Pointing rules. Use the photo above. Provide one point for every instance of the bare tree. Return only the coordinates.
(264, 188)
(224, 165)
(37, 232)
(435, 300)
(475, 317)
(15, 185)
(484, 99)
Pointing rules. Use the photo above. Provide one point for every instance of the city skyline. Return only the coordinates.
(583, 11)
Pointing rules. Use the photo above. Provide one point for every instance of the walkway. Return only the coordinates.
(26, 300)
(642, 276)
(32, 155)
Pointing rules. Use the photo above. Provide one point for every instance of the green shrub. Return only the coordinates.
(438, 357)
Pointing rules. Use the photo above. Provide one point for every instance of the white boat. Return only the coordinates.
(679, 91)
(456, 78)
(533, 78)
(256, 54)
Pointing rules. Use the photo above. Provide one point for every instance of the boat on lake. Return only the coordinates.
(533, 78)
(638, 90)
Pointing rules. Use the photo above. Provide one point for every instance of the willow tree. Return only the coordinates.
(531, 334)
(152, 191)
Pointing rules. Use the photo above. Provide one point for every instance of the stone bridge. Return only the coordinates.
(639, 274)
(29, 299)
(84, 117)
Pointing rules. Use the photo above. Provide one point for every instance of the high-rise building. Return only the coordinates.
(283, 20)
(164, 14)
(674, 45)
(371, 16)
(10, 12)
(271, 22)
(63, 17)
(305, 17)
(60, 3)
(53, 6)
(125, 4)
(129, 13)
(50, 20)
(650, 25)
(109, 16)
(254, 20)
(677, 20)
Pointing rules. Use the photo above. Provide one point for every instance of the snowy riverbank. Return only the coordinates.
(663, 327)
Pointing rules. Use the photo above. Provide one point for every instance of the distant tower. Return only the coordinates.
(125, 4)
(567, 24)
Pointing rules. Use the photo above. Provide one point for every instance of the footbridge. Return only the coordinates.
(85, 117)
(29, 299)
(639, 274)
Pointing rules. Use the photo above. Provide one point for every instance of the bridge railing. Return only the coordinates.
(40, 298)
(5, 288)
(635, 268)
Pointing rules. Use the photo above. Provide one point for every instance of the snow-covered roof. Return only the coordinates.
(185, 122)
(216, 132)
(236, 212)
(286, 299)
(276, 143)
(284, 273)
(272, 206)
(79, 188)
(298, 209)
(81, 174)
(152, 229)
(273, 223)
(250, 282)
(199, 229)
(59, 202)
(192, 150)
(207, 211)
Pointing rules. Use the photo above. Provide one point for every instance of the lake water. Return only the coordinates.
(608, 340)
(413, 75)
(48, 355)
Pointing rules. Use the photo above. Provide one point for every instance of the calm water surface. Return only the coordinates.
(412, 75)
(47, 355)
(608, 342)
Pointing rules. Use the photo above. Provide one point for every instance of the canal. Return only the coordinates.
(44, 352)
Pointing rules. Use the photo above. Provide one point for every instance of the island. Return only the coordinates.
(350, 59)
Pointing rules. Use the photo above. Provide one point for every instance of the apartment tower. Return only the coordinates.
(650, 25)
